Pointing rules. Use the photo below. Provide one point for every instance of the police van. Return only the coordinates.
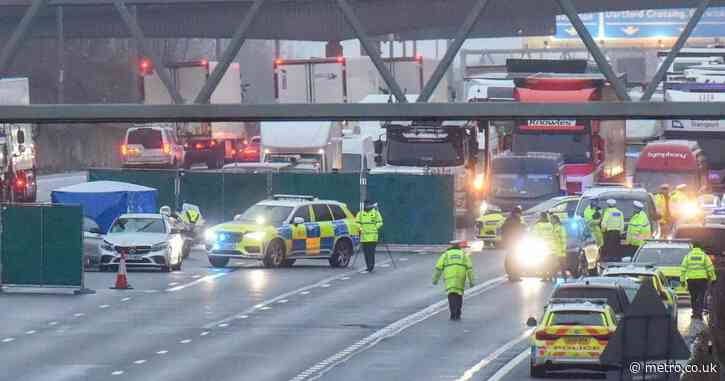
(280, 230)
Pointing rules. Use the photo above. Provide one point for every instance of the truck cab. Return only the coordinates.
(671, 162)
(18, 155)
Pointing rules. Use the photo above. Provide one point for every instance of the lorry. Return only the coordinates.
(308, 146)
(709, 134)
(593, 150)
(672, 162)
(18, 154)
(349, 79)
(435, 148)
(213, 144)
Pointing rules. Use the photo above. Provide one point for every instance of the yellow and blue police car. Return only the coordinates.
(572, 334)
(284, 228)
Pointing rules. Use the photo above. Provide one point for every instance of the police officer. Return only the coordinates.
(370, 222)
(513, 228)
(190, 216)
(455, 265)
(544, 230)
(662, 202)
(612, 227)
(697, 273)
(595, 224)
(639, 228)
(590, 210)
(560, 244)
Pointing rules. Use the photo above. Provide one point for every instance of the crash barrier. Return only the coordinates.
(163, 180)
(42, 246)
(418, 210)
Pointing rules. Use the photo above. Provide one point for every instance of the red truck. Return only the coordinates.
(593, 150)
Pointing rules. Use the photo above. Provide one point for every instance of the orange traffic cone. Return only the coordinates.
(121, 279)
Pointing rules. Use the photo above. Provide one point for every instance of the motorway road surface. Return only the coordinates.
(251, 323)
(48, 183)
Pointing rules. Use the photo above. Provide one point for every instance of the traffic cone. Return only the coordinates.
(121, 279)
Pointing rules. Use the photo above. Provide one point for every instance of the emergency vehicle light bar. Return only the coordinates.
(668, 240)
(293, 197)
(601, 301)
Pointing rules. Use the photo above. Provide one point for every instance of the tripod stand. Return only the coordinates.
(387, 250)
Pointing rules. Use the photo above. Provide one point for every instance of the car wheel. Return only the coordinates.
(165, 269)
(341, 254)
(274, 256)
(186, 249)
(218, 261)
(537, 371)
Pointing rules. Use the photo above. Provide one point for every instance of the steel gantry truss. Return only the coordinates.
(200, 110)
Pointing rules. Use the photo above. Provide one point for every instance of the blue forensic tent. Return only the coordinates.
(103, 201)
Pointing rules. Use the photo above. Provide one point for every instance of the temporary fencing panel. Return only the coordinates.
(415, 209)
(163, 181)
(242, 190)
(42, 245)
(221, 195)
(343, 187)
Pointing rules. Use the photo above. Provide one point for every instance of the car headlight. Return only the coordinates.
(690, 209)
(160, 246)
(532, 250)
(107, 246)
(256, 236)
(209, 235)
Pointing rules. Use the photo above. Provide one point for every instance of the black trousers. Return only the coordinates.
(455, 304)
(611, 249)
(369, 250)
(697, 289)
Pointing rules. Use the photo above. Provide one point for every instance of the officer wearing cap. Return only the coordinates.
(639, 228)
(456, 266)
(697, 274)
(371, 221)
(612, 227)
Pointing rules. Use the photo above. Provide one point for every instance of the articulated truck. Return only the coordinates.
(18, 162)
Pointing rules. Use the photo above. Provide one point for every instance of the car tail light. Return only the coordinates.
(234, 152)
(124, 149)
(543, 335)
(213, 143)
(167, 148)
(199, 146)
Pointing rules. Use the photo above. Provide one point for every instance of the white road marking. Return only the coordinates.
(172, 284)
(195, 282)
(403, 259)
(117, 373)
(162, 352)
(345, 278)
(386, 265)
(80, 314)
(493, 356)
(506, 369)
(139, 362)
(204, 333)
(265, 308)
(104, 306)
(223, 325)
(325, 285)
(126, 299)
(283, 301)
(52, 323)
(31, 332)
(242, 316)
(319, 369)
(8, 339)
(286, 295)
(196, 276)
(185, 341)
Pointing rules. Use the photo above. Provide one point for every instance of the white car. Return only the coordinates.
(150, 240)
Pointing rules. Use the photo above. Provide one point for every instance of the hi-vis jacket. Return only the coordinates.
(455, 265)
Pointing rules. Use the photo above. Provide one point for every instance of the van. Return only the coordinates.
(152, 146)
(672, 162)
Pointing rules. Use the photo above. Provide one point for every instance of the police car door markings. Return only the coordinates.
(318, 370)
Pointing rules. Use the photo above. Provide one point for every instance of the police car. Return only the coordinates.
(280, 230)
(572, 334)
(647, 273)
(666, 256)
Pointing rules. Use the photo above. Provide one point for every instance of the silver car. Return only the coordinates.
(92, 238)
(150, 241)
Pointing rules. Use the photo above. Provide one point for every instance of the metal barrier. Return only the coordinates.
(42, 246)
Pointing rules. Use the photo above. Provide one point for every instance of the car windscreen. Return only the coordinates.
(147, 137)
(576, 148)
(608, 293)
(661, 256)
(652, 180)
(710, 239)
(624, 203)
(591, 318)
(434, 149)
(523, 185)
(262, 214)
(138, 225)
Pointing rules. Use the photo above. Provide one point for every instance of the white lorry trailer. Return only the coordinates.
(18, 175)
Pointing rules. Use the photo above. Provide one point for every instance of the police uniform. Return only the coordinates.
(612, 227)
(560, 245)
(662, 203)
(595, 226)
(697, 273)
(456, 266)
(371, 221)
(639, 228)
(544, 230)
(190, 216)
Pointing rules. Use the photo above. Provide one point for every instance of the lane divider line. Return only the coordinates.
(493, 356)
(319, 369)
(506, 369)
(195, 282)
(303, 290)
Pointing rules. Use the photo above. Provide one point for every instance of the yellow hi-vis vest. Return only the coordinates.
(697, 265)
(612, 219)
(456, 266)
(638, 229)
(370, 223)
